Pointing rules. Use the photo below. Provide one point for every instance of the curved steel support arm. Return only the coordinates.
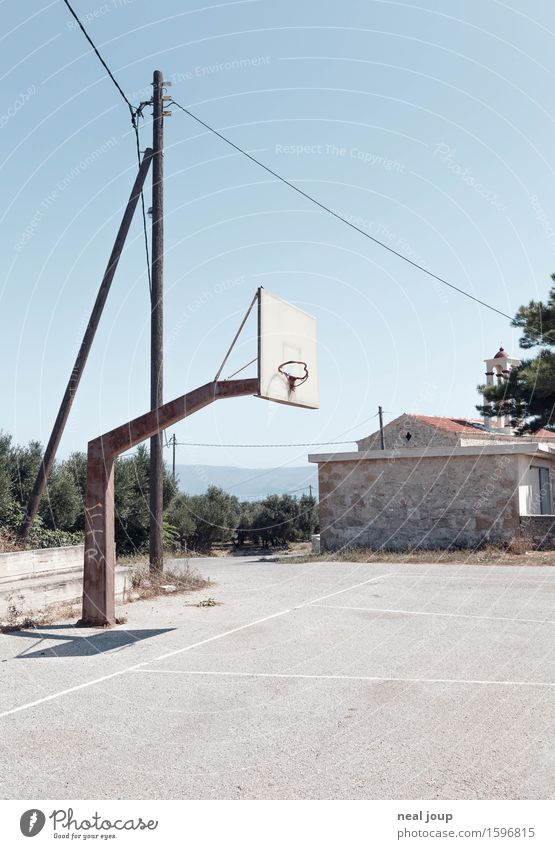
(99, 565)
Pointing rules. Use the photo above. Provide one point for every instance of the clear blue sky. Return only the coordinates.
(429, 123)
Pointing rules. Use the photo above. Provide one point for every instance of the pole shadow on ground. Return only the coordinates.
(71, 645)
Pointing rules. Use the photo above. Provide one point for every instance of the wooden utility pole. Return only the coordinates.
(382, 440)
(83, 353)
(157, 323)
(174, 443)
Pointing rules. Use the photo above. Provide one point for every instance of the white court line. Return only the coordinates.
(432, 613)
(135, 666)
(433, 576)
(348, 677)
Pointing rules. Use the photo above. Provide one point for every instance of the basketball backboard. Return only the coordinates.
(287, 354)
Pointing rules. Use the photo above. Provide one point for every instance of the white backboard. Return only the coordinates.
(286, 333)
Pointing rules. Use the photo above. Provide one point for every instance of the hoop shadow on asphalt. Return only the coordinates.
(81, 646)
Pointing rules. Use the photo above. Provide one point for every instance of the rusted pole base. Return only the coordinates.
(95, 623)
(99, 568)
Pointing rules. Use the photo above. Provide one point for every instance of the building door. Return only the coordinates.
(545, 490)
(538, 491)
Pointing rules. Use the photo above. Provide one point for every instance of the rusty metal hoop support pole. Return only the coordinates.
(83, 353)
(99, 562)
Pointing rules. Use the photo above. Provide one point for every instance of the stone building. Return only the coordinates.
(440, 482)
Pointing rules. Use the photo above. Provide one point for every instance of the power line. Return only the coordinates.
(145, 233)
(106, 68)
(346, 221)
(259, 444)
(135, 112)
(278, 445)
(251, 497)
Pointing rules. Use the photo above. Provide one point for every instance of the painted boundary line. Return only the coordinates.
(136, 666)
(375, 678)
(433, 613)
(511, 579)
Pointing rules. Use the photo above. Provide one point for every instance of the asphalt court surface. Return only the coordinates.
(321, 681)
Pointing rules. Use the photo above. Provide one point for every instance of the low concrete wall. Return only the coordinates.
(32, 580)
(539, 530)
(17, 564)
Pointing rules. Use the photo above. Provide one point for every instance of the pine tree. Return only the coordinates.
(528, 395)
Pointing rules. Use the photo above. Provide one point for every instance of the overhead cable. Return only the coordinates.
(339, 217)
(135, 112)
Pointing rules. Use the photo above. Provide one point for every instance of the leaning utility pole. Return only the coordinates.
(157, 322)
(382, 440)
(83, 353)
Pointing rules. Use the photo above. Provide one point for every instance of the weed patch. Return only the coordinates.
(515, 554)
(147, 584)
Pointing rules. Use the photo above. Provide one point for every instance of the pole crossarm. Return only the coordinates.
(99, 562)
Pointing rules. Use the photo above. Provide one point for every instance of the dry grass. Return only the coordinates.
(9, 542)
(209, 602)
(488, 555)
(142, 559)
(147, 584)
(144, 585)
(24, 620)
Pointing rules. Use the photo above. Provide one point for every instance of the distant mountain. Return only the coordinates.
(248, 484)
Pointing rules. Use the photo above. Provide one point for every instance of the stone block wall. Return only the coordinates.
(422, 435)
(426, 501)
(539, 531)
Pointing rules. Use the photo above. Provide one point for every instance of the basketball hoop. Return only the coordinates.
(286, 335)
(294, 380)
